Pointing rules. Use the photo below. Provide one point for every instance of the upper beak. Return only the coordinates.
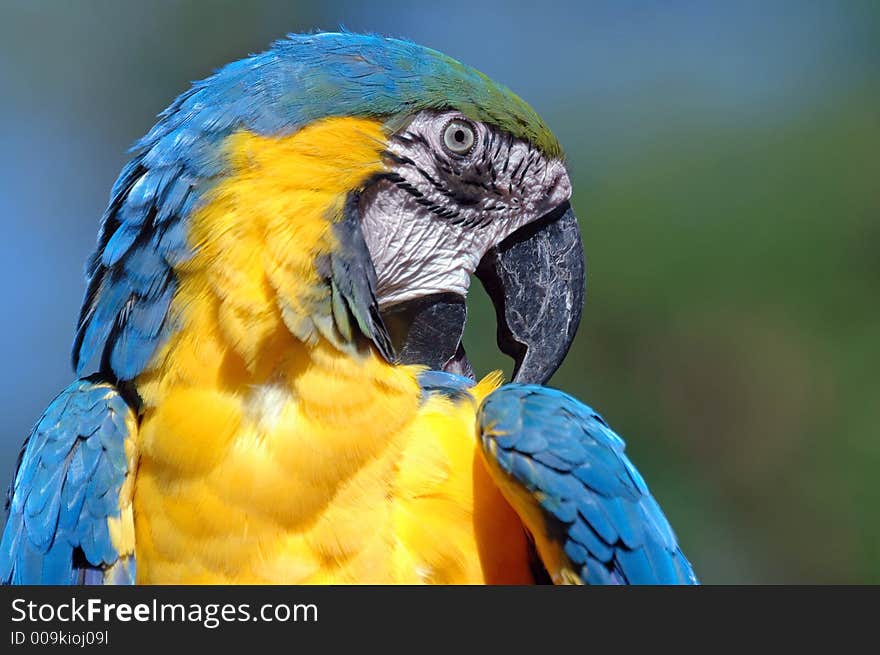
(536, 279)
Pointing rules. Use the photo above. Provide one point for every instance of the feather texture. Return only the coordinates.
(565, 472)
(70, 517)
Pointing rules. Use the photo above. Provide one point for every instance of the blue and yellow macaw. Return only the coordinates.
(271, 382)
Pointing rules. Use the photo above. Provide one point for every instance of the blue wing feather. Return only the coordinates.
(67, 486)
(595, 505)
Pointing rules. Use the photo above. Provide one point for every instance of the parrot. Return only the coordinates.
(270, 381)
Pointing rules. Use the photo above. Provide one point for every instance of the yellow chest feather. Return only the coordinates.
(276, 486)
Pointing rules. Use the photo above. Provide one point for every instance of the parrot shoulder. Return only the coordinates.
(70, 503)
(564, 471)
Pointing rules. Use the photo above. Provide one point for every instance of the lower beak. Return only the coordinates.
(428, 331)
(536, 279)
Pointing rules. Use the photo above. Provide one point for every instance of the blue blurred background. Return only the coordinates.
(725, 162)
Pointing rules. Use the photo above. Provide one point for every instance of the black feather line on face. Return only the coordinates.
(529, 161)
(400, 181)
(515, 171)
(508, 143)
(468, 182)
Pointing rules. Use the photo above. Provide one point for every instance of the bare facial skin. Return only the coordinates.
(455, 189)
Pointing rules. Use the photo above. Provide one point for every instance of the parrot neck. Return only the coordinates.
(261, 238)
(253, 310)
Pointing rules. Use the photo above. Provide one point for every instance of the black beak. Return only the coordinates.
(428, 331)
(536, 279)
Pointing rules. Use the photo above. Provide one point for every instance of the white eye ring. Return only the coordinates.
(459, 136)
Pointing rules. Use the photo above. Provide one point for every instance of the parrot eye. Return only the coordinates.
(459, 137)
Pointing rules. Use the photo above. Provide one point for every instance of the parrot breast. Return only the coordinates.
(342, 475)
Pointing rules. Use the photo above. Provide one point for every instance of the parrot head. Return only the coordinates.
(424, 172)
(465, 196)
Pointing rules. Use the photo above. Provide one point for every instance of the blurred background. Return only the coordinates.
(725, 163)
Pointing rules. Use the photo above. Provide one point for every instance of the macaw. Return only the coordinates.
(271, 385)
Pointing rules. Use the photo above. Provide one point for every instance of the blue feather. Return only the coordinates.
(636, 565)
(603, 481)
(131, 353)
(548, 458)
(174, 196)
(120, 243)
(30, 564)
(531, 442)
(66, 488)
(9, 547)
(591, 509)
(582, 533)
(565, 455)
(46, 482)
(575, 552)
(598, 574)
(56, 564)
(99, 320)
(143, 194)
(562, 509)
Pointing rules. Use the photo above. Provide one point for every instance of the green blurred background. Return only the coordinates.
(725, 162)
